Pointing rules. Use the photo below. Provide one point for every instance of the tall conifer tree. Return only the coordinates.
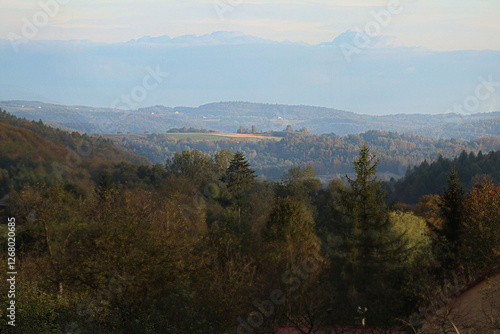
(238, 176)
(452, 211)
(369, 251)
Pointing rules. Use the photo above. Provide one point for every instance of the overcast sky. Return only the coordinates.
(439, 25)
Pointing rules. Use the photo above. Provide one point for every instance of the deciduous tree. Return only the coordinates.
(481, 229)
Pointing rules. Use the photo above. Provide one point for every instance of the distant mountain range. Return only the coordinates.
(229, 116)
(216, 38)
(376, 75)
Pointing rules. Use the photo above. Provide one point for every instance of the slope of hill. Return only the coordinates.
(228, 116)
(430, 178)
(31, 152)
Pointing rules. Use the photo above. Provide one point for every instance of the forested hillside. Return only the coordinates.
(31, 152)
(148, 248)
(200, 245)
(430, 178)
(227, 116)
(331, 155)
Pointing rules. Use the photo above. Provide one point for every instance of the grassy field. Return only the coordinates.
(220, 136)
(197, 136)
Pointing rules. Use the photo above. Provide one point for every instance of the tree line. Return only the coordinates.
(430, 178)
(329, 154)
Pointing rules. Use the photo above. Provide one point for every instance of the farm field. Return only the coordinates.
(196, 136)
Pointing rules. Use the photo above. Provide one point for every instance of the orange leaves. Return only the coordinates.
(482, 227)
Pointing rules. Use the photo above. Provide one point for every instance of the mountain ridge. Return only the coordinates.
(228, 116)
(230, 66)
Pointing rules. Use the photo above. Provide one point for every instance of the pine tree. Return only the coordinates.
(238, 176)
(452, 209)
(452, 212)
(369, 252)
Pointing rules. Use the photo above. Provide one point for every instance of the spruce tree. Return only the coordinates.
(452, 211)
(238, 176)
(369, 252)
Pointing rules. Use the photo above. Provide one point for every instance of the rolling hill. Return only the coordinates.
(232, 66)
(229, 116)
(33, 153)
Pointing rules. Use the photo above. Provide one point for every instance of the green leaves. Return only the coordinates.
(289, 233)
(192, 164)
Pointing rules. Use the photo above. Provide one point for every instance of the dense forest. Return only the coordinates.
(32, 152)
(198, 244)
(331, 155)
(430, 178)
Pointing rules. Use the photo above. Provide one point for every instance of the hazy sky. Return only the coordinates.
(435, 24)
